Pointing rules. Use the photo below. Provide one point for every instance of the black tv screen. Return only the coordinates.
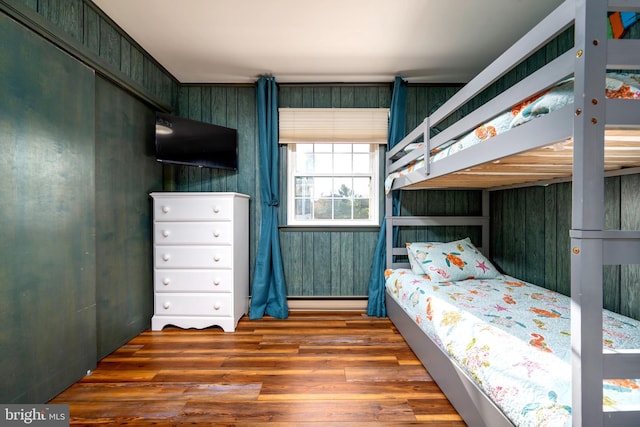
(189, 142)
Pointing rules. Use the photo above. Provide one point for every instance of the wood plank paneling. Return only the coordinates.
(611, 292)
(550, 246)
(545, 233)
(534, 229)
(83, 22)
(563, 241)
(91, 30)
(421, 101)
(231, 106)
(630, 220)
(68, 15)
(319, 262)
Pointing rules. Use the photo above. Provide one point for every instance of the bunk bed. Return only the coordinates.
(592, 133)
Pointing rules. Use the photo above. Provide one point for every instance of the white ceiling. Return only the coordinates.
(309, 41)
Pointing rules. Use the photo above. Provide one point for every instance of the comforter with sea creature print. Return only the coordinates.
(618, 85)
(513, 338)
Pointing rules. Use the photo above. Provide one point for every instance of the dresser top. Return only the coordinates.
(187, 194)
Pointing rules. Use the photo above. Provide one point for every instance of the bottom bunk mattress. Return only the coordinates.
(513, 339)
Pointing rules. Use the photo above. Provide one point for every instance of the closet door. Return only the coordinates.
(47, 262)
(126, 172)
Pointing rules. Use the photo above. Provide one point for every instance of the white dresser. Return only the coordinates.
(201, 259)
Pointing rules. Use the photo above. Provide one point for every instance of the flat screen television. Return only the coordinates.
(193, 143)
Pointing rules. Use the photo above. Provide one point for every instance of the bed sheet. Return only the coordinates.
(514, 339)
(618, 85)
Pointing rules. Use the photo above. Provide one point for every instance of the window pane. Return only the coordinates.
(322, 209)
(304, 148)
(323, 148)
(342, 209)
(361, 209)
(304, 163)
(333, 183)
(323, 163)
(342, 163)
(343, 187)
(322, 187)
(303, 184)
(362, 187)
(361, 163)
(303, 209)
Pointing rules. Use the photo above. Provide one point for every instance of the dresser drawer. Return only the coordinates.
(197, 208)
(214, 233)
(193, 304)
(193, 256)
(173, 280)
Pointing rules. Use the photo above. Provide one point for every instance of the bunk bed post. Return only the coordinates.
(388, 210)
(426, 126)
(588, 212)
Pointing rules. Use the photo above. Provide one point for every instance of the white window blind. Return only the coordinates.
(333, 125)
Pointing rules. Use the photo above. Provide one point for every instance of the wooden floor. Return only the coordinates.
(312, 369)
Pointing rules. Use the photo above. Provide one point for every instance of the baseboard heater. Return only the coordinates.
(327, 303)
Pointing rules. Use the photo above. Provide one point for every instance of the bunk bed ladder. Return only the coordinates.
(592, 246)
(392, 222)
(393, 251)
(591, 250)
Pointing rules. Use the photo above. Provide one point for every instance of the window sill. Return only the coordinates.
(329, 228)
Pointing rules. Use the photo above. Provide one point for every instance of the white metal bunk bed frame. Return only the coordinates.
(592, 245)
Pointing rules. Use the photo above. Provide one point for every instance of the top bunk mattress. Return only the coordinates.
(549, 162)
(513, 339)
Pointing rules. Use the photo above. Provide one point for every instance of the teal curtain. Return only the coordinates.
(397, 129)
(268, 295)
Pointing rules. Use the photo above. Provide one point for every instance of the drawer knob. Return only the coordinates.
(165, 209)
(166, 281)
(165, 233)
(166, 305)
(166, 257)
(216, 306)
(216, 258)
(216, 281)
(216, 233)
(216, 209)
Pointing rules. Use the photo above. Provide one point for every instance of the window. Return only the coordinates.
(333, 165)
(333, 184)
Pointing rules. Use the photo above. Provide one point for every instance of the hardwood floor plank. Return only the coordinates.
(318, 411)
(395, 373)
(315, 368)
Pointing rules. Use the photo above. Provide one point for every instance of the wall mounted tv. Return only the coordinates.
(193, 143)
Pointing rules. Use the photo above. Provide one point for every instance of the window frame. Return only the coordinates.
(375, 197)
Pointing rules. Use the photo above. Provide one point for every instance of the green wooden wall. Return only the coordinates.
(318, 262)
(421, 101)
(530, 226)
(75, 275)
(80, 27)
(231, 106)
(530, 237)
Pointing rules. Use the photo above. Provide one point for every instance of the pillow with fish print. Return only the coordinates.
(452, 261)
